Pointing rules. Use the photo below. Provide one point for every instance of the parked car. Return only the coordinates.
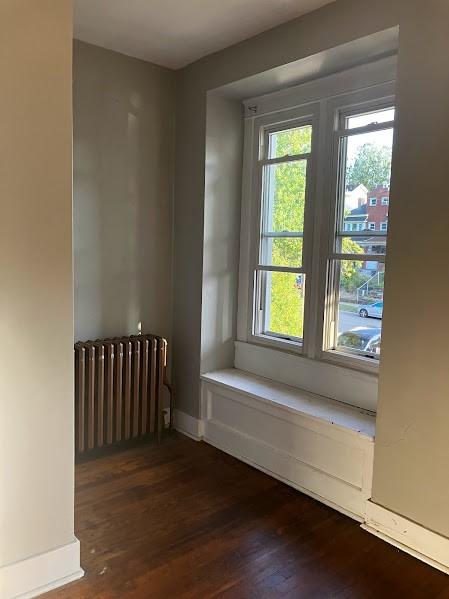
(372, 310)
(361, 339)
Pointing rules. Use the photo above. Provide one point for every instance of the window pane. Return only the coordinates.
(284, 304)
(284, 196)
(367, 170)
(362, 245)
(369, 118)
(360, 306)
(290, 142)
(282, 252)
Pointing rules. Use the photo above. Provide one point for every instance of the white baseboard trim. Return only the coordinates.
(188, 425)
(424, 544)
(287, 481)
(41, 573)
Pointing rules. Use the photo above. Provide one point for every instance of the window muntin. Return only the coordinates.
(357, 260)
(373, 201)
(284, 164)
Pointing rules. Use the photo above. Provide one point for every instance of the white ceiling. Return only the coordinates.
(174, 33)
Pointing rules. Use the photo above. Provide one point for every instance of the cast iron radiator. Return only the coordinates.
(118, 390)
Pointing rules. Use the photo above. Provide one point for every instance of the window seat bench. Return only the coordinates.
(319, 446)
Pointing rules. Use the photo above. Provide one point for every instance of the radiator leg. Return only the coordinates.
(169, 386)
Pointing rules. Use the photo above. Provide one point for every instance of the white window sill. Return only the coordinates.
(328, 380)
(295, 400)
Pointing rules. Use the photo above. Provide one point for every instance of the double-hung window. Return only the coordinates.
(356, 265)
(282, 259)
(313, 254)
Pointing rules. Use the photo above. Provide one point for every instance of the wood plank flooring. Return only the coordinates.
(184, 520)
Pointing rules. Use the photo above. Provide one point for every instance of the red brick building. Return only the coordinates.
(377, 209)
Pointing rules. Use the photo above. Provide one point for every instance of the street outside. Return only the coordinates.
(350, 320)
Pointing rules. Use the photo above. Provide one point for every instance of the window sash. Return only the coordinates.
(337, 231)
(261, 309)
(265, 234)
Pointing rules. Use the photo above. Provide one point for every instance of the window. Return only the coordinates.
(356, 269)
(385, 201)
(311, 272)
(281, 274)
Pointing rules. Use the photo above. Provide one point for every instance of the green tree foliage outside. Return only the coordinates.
(288, 189)
(371, 167)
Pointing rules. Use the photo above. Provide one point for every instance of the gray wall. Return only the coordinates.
(123, 173)
(223, 185)
(412, 451)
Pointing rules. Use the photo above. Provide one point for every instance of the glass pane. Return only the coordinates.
(282, 252)
(362, 245)
(369, 118)
(290, 142)
(367, 170)
(284, 304)
(284, 196)
(360, 306)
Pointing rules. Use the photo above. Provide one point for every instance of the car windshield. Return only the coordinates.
(361, 339)
(353, 340)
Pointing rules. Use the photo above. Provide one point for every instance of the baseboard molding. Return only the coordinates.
(41, 573)
(188, 425)
(424, 544)
(351, 513)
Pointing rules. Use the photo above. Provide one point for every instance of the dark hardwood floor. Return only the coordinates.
(185, 520)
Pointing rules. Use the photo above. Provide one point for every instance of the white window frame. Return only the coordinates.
(384, 226)
(373, 201)
(385, 201)
(321, 105)
(371, 226)
(339, 114)
(263, 126)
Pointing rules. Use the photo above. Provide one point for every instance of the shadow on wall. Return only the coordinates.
(123, 155)
(223, 172)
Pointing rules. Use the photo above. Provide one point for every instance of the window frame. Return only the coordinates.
(368, 100)
(373, 202)
(262, 127)
(321, 205)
